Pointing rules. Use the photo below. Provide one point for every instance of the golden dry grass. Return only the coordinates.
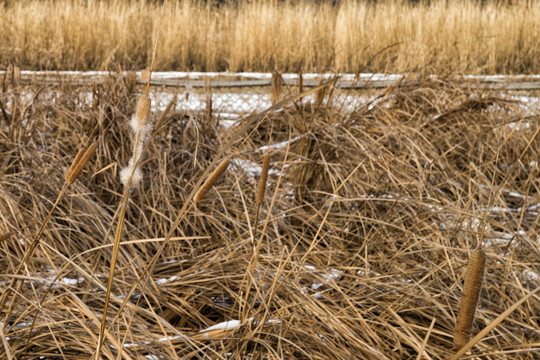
(384, 36)
(365, 234)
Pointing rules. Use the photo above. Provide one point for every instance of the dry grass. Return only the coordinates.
(365, 228)
(384, 36)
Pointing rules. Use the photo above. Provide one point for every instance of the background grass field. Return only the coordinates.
(383, 36)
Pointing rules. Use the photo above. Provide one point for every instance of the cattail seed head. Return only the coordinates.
(471, 293)
(78, 166)
(211, 180)
(74, 163)
(143, 113)
(276, 87)
(5, 236)
(262, 180)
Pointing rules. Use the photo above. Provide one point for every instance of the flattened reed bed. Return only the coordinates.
(367, 237)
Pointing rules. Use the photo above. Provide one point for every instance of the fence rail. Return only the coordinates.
(246, 80)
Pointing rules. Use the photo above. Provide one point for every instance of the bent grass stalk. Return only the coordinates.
(73, 172)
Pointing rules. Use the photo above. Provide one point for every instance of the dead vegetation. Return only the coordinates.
(366, 227)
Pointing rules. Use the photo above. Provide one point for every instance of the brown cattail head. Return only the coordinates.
(208, 111)
(211, 180)
(300, 82)
(5, 236)
(144, 74)
(262, 180)
(319, 96)
(471, 293)
(74, 163)
(276, 87)
(77, 166)
(143, 113)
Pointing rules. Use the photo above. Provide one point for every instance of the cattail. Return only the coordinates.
(5, 236)
(77, 166)
(300, 82)
(208, 89)
(471, 292)
(262, 180)
(208, 111)
(319, 96)
(140, 122)
(74, 163)
(16, 75)
(144, 74)
(131, 175)
(211, 180)
(276, 87)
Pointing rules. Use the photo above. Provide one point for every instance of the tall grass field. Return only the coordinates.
(437, 36)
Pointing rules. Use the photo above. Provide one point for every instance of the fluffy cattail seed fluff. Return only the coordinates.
(471, 292)
(77, 167)
(131, 175)
(211, 180)
(262, 180)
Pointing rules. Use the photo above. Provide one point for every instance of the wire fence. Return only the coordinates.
(236, 94)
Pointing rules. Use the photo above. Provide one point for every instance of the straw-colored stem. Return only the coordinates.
(27, 255)
(114, 257)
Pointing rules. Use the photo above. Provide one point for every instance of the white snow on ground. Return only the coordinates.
(226, 325)
(166, 280)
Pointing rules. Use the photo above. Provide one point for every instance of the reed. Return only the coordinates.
(469, 299)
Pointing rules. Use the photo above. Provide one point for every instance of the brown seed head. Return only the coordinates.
(74, 163)
(77, 167)
(276, 87)
(211, 180)
(471, 293)
(5, 236)
(262, 180)
(143, 112)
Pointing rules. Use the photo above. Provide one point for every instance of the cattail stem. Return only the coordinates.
(469, 300)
